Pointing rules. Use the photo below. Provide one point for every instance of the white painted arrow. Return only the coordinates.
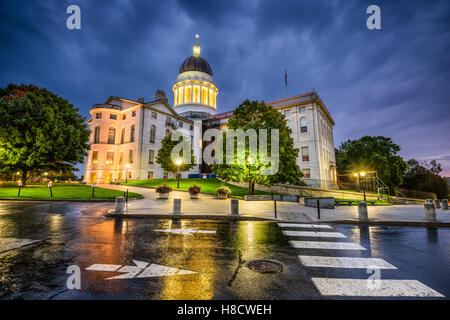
(188, 231)
(154, 270)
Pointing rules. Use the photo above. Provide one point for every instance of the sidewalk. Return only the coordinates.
(209, 206)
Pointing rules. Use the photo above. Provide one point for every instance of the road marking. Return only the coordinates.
(304, 225)
(130, 271)
(157, 270)
(343, 262)
(188, 231)
(322, 234)
(326, 245)
(104, 267)
(360, 288)
(7, 244)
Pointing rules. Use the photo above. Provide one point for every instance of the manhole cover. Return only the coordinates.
(265, 266)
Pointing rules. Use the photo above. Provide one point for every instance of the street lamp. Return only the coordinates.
(178, 164)
(357, 175)
(127, 165)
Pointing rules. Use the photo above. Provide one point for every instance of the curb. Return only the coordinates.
(391, 223)
(70, 200)
(190, 216)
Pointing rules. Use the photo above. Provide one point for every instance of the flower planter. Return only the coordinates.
(222, 195)
(164, 195)
(193, 196)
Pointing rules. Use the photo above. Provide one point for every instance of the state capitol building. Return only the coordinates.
(126, 134)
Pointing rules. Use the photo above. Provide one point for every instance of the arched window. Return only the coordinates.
(111, 135)
(187, 95)
(152, 133)
(303, 125)
(97, 134)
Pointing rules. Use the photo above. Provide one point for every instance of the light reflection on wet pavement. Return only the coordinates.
(79, 234)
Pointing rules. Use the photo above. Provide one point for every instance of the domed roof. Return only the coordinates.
(196, 63)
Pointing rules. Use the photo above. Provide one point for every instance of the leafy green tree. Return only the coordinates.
(372, 153)
(257, 115)
(164, 158)
(40, 131)
(425, 177)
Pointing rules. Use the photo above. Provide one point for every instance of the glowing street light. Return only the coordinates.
(127, 165)
(178, 164)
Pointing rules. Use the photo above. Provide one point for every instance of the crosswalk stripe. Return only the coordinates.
(344, 262)
(385, 288)
(322, 234)
(304, 225)
(326, 245)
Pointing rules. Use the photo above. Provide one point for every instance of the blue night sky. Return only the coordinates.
(393, 82)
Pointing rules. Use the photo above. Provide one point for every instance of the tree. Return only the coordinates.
(164, 158)
(257, 115)
(40, 131)
(425, 177)
(372, 153)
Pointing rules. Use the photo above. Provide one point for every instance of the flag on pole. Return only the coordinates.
(285, 77)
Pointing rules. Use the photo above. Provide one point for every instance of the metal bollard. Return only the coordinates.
(430, 212)
(234, 207)
(437, 203)
(362, 211)
(120, 204)
(176, 206)
(444, 204)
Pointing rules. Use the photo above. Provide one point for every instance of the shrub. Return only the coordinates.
(223, 190)
(163, 189)
(194, 189)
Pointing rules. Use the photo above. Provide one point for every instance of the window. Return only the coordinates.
(133, 114)
(196, 94)
(287, 113)
(303, 126)
(180, 95)
(122, 136)
(97, 134)
(166, 175)
(187, 95)
(211, 97)
(94, 157)
(132, 133)
(150, 175)
(180, 124)
(98, 115)
(307, 173)
(152, 134)
(191, 127)
(124, 116)
(305, 154)
(130, 156)
(109, 157)
(175, 93)
(113, 116)
(302, 110)
(204, 95)
(130, 174)
(111, 135)
(151, 156)
(154, 115)
(121, 158)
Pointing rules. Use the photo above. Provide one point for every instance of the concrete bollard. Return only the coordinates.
(444, 204)
(437, 203)
(176, 206)
(234, 207)
(429, 201)
(120, 204)
(362, 211)
(430, 212)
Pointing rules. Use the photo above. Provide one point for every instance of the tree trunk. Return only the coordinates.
(251, 187)
(24, 177)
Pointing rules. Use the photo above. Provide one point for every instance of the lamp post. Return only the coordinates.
(17, 173)
(250, 187)
(127, 165)
(178, 164)
(362, 175)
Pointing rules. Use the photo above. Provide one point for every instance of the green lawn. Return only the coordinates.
(207, 185)
(355, 201)
(64, 191)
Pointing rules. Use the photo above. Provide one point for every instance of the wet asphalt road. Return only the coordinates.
(79, 234)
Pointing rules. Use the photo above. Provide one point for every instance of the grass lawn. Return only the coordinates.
(355, 201)
(207, 185)
(60, 191)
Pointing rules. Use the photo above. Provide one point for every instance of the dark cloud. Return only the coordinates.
(394, 82)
